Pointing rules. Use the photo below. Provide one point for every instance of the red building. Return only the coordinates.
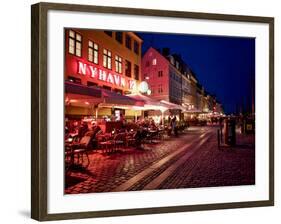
(163, 75)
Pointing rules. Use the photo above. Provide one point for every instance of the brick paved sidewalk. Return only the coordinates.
(211, 167)
(106, 172)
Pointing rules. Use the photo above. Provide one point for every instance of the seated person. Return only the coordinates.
(95, 130)
(153, 125)
(82, 130)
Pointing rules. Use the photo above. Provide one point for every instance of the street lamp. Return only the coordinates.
(143, 87)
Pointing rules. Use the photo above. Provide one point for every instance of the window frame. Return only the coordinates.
(108, 33)
(117, 39)
(128, 41)
(118, 64)
(160, 88)
(108, 58)
(136, 68)
(136, 47)
(127, 63)
(92, 84)
(160, 73)
(95, 50)
(75, 40)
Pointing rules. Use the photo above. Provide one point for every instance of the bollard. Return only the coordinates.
(218, 137)
(221, 137)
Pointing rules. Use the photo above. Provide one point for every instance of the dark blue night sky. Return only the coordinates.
(225, 66)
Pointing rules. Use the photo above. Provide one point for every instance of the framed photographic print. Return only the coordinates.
(138, 111)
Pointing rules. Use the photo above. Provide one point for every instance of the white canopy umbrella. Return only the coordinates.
(151, 104)
(172, 106)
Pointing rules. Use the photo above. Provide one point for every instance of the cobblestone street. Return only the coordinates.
(190, 160)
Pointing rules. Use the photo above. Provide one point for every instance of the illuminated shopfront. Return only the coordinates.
(104, 60)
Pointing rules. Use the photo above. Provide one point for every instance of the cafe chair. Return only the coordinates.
(106, 144)
(131, 139)
(77, 153)
(120, 140)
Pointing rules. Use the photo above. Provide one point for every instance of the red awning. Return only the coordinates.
(81, 95)
(114, 98)
(79, 89)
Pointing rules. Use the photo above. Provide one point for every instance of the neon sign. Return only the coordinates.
(108, 77)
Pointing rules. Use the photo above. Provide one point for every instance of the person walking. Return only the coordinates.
(174, 125)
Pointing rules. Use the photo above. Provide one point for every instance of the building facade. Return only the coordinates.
(107, 59)
(104, 59)
(163, 75)
(186, 90)
(170, 79)
(155, 71)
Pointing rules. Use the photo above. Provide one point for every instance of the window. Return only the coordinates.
(128, 69)
(119, 37)
(146, 76)
(160, 73)
(106, 87)
(109, 33)
(136, 72)
(147, 64)
(74, 80)
(118, 64)
(160, 88)
(93, 52)
(92, 84)
(136, 47)
(118, 91)
(128, 42)
(106, 58)
(154, 61)
(74, 43)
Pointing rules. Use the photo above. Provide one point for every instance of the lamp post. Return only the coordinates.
(143, 87)
(136, 116)
(162, 114)
(97, 110)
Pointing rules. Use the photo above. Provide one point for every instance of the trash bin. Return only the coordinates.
(229, 132)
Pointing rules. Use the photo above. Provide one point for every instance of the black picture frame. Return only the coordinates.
(39, 121)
